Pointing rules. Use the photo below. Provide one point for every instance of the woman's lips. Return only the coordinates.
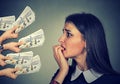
(63, 48)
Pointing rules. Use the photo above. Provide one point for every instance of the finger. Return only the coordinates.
(56, 47)
(17, 49)
(2, 59)
(60, 52)
(2, 56)
(16, 69)
(2, 63)
(20, 43)
(13, 75)
(14, 35)
(8, 58)
(14, 28)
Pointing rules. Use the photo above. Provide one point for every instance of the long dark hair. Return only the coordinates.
(94, 35)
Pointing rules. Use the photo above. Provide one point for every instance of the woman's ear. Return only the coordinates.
(85, 44)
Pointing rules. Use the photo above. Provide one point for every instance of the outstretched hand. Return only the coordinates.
(2, 60)
(13, 46)
(9, 72)
(9, 34)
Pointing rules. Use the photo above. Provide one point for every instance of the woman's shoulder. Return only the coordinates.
(108, 78)
(111, 76)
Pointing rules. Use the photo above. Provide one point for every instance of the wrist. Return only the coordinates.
(1, 47)
(64, 70)
(1, 39)
(54, 82)
(2, 73)
(4, 47)
(61, 76)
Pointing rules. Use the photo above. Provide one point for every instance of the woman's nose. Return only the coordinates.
(61, 39)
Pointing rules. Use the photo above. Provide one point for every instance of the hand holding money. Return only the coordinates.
(10, 33)
(9, 72)
(13, 46)
(25, 61)
(2, 60)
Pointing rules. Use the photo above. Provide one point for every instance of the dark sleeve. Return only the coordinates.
(1, 32)
(54, 75)
(67, 78)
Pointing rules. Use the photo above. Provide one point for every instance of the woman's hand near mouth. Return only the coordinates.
(62, 63)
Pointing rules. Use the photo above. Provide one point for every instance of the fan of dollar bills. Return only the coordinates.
(26, 18)
(25, 61)
(6, 22)
(33, 40)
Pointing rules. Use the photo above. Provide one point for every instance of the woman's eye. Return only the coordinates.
(69, 34)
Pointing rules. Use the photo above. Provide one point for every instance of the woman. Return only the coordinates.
(83, 41)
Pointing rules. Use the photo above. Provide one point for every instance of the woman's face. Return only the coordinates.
(72, 41)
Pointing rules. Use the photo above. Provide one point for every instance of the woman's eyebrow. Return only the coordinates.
(66, 30)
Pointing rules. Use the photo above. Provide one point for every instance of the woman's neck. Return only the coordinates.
(81, 62)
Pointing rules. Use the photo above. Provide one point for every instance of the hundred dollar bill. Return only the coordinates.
(33, 40)
(26, 18)
(23, 58)
(32, 68)
(6, 22)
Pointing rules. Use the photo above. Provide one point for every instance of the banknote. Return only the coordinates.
(6, 22)
(32, 68)
(33, 40)
(20, 58)
(26, 18)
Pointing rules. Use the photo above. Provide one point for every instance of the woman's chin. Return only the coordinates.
(65, 54)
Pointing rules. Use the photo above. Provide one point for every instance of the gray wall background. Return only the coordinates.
(50, 15)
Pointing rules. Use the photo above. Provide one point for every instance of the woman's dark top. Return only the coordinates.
(104, 79)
